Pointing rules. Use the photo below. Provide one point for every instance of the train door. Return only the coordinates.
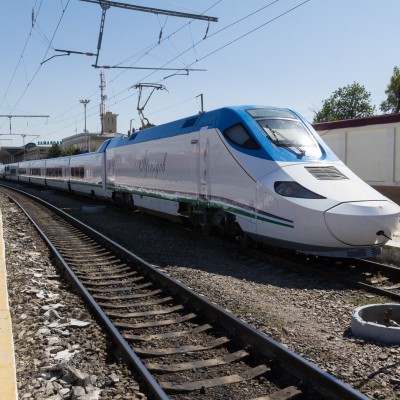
(204, 165)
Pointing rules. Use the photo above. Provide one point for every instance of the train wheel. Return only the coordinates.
(206, 229)
(244, 240)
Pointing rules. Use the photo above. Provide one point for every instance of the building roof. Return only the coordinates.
(356, 122)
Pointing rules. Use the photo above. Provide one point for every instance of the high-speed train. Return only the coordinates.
(250, 171)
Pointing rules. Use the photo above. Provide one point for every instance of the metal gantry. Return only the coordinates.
(105, 5)
(21, 116)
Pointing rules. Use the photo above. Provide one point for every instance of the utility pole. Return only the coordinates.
(103, 97)
(85, 102)
(201, 103)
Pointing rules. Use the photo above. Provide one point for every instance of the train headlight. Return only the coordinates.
(293, 189)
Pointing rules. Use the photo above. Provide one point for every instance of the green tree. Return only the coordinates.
(54, 151)
(72, 151)
(351, 101)
(392, 102)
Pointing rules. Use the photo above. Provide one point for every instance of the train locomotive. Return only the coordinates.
(254, 172)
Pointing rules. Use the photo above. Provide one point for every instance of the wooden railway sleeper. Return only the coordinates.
(89, 274)
(181, 349)
(105, 276)
(167, 335)
(93, 255)
(285, 394)
(213, 382)
(111, 283)
(168, 310)
(131, 296)
(136, 304)
(153, 324)
(193, 365)
(114, 290)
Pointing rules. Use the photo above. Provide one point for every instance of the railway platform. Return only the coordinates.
(8, 383)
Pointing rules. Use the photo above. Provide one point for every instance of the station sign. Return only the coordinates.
(49, 142)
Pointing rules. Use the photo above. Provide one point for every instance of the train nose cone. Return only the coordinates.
(363, 223)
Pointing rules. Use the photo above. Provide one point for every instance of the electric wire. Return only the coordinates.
(250, 32)
(147, 52)
(218, 49)
(20, 59)
(40, 65)
(221, 47)
(194, 44)
(225, 45)
(208, 37)
(229, 43)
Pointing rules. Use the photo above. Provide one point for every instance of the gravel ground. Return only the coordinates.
(61, 352)
(308, 314)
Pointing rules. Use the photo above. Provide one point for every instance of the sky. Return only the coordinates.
(284, 53)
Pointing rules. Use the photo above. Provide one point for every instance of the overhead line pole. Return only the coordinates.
(105, 5)
(152, 10)
(103, 19)
(22, 116)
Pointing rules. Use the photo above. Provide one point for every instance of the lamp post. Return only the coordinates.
(85, 102)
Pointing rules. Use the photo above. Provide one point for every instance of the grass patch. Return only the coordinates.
(359, 301)
(266, 291)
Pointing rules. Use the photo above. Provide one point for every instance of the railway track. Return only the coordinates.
(372, 276)
(183, 345)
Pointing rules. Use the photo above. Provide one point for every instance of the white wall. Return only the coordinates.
(372, 152)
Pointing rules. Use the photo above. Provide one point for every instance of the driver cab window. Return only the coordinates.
(238, 135)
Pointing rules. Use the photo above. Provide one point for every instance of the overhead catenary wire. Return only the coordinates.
(220, 48)
(145, 52)
(40, 65)
(188, 49)
(20, 59)
(225, 45)
(247, 33)
(208, 37)
(233, 41)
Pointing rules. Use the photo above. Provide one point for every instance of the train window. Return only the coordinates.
(189, 122)
(271, 113)
(78, 172)
(238, 135)
(286, 133)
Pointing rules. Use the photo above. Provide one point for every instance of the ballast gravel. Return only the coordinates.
(60, 350)
(309, 315)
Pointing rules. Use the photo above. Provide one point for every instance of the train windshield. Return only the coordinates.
(284, 129)
(286, 132)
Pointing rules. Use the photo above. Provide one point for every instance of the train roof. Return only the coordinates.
(220, 118)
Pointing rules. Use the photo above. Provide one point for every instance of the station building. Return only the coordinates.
(85, 142)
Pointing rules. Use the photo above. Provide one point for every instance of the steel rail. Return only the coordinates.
(321, 381)
(296, 266)
(130, 355)
(373, 264)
